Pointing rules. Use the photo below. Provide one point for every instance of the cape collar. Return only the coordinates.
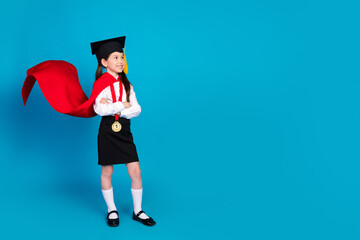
(117, 79)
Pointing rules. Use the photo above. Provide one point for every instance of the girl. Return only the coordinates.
(117, 104)
(114, 99)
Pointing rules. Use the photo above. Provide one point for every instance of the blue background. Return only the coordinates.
(249, 129)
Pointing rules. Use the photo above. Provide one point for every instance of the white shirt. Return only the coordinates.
(110, 108)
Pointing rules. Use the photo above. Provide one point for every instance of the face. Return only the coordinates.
(115, 63)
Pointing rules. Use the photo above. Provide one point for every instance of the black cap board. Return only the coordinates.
(103, 48)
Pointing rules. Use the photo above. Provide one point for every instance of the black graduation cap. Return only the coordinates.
(103, 48)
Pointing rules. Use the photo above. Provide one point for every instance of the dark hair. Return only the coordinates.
(123, 78)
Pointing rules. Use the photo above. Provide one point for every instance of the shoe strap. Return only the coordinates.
(138, 214)
(113, 211)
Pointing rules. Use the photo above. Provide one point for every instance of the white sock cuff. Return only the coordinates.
(136, 190)
(108, 190)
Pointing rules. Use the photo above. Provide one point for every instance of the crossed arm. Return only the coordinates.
(103, 106)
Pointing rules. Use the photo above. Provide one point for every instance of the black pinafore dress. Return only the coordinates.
(115, 147)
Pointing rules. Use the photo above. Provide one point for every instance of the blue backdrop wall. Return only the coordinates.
(249, 129)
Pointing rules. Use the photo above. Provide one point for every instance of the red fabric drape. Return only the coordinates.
(59, 82)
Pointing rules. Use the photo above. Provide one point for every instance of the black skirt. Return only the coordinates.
(115, 147)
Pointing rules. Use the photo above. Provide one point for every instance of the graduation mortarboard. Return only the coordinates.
(103, 48)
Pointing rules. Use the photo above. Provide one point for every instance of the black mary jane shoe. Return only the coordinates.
(113, 222)
(148, 221)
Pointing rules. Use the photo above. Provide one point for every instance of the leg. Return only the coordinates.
(106, 174)
(136, 191)
(107, 190)
(134, 173)
(136, 184)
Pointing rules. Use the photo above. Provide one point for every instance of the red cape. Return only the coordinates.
(59, 82)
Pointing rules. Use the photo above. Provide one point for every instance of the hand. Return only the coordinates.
(126, 104)
(104, 101)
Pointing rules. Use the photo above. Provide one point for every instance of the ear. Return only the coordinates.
(104, 62)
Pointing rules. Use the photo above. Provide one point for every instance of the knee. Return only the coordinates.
(135, 173)
(106, 173)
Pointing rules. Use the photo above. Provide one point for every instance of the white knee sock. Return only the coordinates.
(109, 199)
(137, 198)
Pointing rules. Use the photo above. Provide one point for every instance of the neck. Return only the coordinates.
(114, 74)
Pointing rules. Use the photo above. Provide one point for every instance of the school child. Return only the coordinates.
(117, 104)
(113, 98)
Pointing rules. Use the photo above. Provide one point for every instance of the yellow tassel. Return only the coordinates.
(126, 66)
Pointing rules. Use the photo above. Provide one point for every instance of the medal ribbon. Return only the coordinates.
(114, 96)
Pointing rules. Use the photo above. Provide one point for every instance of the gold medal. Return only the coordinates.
(116, 126)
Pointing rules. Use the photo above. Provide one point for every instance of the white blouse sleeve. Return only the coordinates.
(105, 109)
(135, 108)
